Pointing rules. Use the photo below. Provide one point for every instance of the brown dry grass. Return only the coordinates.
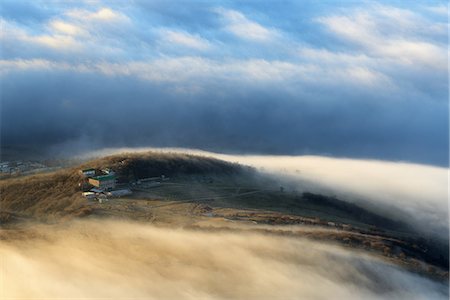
(54, 195)
(44, 196)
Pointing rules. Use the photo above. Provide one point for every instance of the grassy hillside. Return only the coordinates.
(44, 196)
(53, 195)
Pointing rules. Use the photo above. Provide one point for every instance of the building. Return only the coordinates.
(89, 195)
(88, 172)
(119, 193)
(5, 167)
(108, 172)
(105, 182)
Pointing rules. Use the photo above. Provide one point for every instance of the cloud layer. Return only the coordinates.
(294, 78)
(415, 194)
(113, 259)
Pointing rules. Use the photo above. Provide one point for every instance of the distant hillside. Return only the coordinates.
(54, 195)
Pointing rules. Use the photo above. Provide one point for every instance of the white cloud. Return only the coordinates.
(439, 9)
(54, 40)
(364, 75)
(390, 33)
(168, 69)
(337, 65)
(63, 36)
(238, 24)
(66, 28)
(186, 69)
(411, 52)
(330, 57)
(104, 14)
(185, 39)
(39, 64)
(200, 71)
(358, 28)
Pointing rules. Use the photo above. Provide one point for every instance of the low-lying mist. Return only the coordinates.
(118, 260)
(416, 194)
(413, 193)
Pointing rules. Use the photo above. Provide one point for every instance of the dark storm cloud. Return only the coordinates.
(274, 78)
(88, 111)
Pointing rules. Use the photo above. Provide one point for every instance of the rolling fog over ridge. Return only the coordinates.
(414, 193)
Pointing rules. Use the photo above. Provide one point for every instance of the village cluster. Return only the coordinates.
(22, 167)
(101, 184)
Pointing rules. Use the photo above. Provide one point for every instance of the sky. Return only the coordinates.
(356, 79)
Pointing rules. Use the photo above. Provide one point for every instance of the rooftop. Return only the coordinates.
(104, 177)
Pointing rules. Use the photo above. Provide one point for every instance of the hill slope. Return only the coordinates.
(52, 195)
(208, 193)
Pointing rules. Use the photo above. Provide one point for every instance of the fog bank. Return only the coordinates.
(417, 194)
(112, 259)
(414, 193)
